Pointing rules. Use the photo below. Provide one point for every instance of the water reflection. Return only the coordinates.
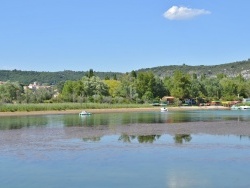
(114, 119)
(209, 161)
(8, 123)
(140, 139)
(45, 156)
(125, 138)
(155, 117)
(180, 138)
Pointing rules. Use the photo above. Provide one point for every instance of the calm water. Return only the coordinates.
(121, 160)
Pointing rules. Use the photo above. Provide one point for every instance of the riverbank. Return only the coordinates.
(110, 110)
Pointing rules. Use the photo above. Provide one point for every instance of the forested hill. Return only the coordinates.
(229, 69)
(27, 77)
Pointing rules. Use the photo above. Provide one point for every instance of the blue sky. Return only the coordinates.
(121, 35)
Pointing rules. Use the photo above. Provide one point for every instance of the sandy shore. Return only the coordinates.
(111, 110)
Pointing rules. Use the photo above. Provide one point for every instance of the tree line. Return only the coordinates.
(133, 87)
(50, 78)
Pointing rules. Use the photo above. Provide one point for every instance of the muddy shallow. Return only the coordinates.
(31, 136)
(95, 157)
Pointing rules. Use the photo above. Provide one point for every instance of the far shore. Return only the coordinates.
(110, 110)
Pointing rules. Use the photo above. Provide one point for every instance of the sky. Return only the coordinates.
(121, 35)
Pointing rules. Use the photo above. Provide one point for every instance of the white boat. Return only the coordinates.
(164, 109)
(83, 113)
(235, 107)
(245, 107)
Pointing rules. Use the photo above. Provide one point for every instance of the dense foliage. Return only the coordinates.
(142, 87)
(51, 78)
(13, 92)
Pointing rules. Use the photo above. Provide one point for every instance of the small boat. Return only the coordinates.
(83, 113)
(164, 109)
(234, 107)
(245, 107)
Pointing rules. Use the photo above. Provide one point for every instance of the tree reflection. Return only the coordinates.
(126, 138)
(148, 138)
(180, 138)
(141, 139)
(9, 123)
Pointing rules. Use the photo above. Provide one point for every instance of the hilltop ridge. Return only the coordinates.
(26, 77)
(229, 69)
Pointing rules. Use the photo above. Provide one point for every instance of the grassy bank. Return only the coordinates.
(64, 106)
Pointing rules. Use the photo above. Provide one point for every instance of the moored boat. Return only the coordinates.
(245, 107)
(164, 109)
(83, 113)
(234, 107)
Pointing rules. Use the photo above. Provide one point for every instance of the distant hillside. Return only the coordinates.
(230, 69)
(27, 77)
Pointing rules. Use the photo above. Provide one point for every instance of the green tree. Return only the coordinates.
(229, 89)
(212, 88)
(86, 87)
(242, 86)
(148, 87)
(127, 88)
(159, 90)
(90, 73)
(133, 74)
(221, 76)
(10, 91)
(94, 86)
(113, 86)
(179, 85)
(68, 91)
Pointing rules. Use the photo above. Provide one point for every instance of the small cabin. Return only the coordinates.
(167, 100)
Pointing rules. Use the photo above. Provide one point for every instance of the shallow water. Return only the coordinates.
(113, 119)
(30, 159)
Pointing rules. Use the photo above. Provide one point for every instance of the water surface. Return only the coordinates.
(120, 160)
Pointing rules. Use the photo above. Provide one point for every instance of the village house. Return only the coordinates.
(35, 86)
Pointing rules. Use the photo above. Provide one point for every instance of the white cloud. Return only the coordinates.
(183, 13)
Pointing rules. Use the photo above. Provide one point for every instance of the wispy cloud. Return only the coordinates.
(183, 13)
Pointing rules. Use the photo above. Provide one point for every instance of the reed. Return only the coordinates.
(64, 106)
